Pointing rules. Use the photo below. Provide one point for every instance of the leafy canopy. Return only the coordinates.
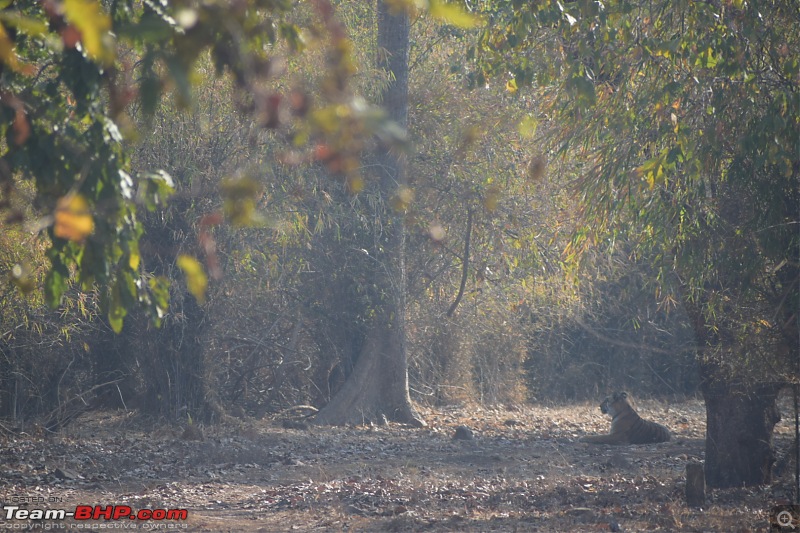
(684, 117)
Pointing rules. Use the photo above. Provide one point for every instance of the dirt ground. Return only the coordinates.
(524, 471)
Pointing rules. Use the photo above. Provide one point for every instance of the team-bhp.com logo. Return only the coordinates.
(94, 512)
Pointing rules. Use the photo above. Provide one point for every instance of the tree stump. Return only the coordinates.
(695, 485)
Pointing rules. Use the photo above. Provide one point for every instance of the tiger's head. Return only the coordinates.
(615, 404)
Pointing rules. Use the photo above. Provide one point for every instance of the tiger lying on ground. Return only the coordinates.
(627, 427)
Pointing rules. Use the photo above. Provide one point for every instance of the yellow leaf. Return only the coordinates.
(527, 127)
(240, 196)
(88, 17)
(355, 184)
(399, 6)
(436, 232)
(135, 257)
(402, 199)
(511, 86)
(454, 14)
(196, 279)
(29, 25)
(788, 168)
(22, 277)
(9, 57)
(73, 219)
(491, 199)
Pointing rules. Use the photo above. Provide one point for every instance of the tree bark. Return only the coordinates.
(695, 485)
(739, 424)
(740, 414)
(377, 389)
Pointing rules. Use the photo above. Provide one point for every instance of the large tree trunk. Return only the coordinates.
(377, 389)
(740, 414)
(740, 420)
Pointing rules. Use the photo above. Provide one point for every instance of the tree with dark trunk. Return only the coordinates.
(377, 388)
(741, 412)
(688, 167)
(745, 415)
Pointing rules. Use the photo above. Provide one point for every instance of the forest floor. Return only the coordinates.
(524, 471)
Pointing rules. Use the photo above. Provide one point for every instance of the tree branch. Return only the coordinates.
(465, 266)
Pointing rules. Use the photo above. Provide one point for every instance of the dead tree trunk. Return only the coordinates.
(695, 485)
(377, 389)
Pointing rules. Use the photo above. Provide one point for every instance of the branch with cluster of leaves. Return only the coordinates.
(71, 69)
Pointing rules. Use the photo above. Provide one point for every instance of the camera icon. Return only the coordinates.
(784, 518)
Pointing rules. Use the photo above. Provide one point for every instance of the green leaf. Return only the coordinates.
(116, 309)
(293, 37)
(706, 59)
(585, 90)
(181, 75)
(150, 93)
(159, 289)
(155, 189)
(55, 284)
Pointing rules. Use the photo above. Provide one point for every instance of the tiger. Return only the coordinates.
(627, 427)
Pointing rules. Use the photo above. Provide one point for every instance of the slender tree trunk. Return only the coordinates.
(8, 381)
(377, 389)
